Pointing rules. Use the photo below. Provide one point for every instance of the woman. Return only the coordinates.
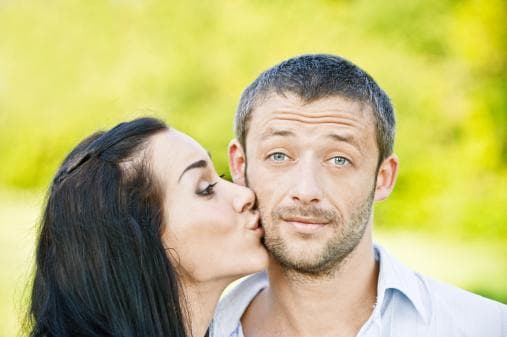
(139, 237)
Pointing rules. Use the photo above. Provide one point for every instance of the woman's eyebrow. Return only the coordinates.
(197, 164)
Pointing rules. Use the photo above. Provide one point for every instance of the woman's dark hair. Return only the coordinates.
(101, 268)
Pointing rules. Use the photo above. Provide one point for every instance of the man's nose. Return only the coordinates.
(306, 187)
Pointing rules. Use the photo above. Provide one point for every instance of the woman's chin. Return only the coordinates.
(254, 263)
(258, 261)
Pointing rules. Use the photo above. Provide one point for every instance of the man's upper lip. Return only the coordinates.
(307, 220)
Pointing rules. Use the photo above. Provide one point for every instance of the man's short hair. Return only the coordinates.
(312, 77)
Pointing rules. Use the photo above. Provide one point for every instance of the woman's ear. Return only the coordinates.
(237, 162)
(386, 177)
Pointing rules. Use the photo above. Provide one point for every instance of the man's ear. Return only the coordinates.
(237, 162)
(386, 177)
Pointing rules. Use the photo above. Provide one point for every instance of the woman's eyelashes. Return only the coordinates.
(209, 189)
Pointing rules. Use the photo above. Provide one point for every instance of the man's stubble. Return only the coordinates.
(331, 253)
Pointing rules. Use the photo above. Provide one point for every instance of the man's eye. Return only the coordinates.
(278, 156)
(339, 161)
(209, 190)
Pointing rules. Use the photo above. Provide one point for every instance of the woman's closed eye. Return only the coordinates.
(209, 189)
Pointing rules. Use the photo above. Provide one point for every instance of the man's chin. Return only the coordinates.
(313, 257)
(300, 259)
(303, 247)
(312, 266)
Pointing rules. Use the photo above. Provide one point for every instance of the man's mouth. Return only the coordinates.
(306, 220)
(306, 225)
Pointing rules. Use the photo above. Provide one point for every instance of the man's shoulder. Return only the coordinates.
(450, 297)
(465, 311)
(233, 304)
(441, 306)
(398, 276)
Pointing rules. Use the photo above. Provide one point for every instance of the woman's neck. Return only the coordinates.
(199, 302)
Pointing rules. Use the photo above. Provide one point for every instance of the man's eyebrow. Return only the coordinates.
(197, 164)
(277, 132)
(343, 138)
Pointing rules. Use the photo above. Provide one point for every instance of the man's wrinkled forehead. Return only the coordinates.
(278, 110)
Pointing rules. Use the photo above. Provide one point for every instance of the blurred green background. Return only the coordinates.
(68, 68)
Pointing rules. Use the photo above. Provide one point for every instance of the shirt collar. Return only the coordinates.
(232, 306)
(394, 275)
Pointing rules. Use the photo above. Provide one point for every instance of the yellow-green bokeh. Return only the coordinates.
(68, 68)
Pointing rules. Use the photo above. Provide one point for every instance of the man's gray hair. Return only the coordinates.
(312, 77)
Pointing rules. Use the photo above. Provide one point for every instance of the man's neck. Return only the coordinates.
(334, 305)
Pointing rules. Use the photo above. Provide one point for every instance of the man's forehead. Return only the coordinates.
(286, 116)
(323, 110)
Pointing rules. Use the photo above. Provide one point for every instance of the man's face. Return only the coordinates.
(313, 168)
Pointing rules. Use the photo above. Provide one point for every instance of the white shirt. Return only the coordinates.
(408, 305)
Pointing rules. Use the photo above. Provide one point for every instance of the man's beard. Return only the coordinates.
(346, 236)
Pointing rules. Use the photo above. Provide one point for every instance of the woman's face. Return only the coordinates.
(210, 229)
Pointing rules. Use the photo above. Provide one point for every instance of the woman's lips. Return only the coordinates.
(255, 226)
(255, 223)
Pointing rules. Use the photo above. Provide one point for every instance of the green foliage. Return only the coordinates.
(66, 70)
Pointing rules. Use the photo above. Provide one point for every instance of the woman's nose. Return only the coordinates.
(244, 199)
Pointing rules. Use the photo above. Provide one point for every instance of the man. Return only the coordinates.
(315, 142)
